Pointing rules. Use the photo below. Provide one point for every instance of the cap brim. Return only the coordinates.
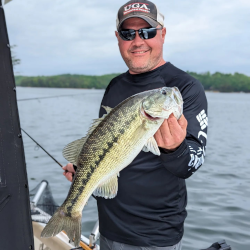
(149, 20)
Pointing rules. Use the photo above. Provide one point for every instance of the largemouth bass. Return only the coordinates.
(111, 144)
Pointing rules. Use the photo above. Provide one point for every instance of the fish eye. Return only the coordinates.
(164, 92)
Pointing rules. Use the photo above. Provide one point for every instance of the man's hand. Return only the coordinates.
(171, 133)
(69, 171)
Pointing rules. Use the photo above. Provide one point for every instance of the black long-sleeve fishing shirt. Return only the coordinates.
(149, 209)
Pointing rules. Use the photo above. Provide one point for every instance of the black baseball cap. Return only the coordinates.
(143, 9)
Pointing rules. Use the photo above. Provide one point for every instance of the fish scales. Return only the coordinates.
(111, 144)
(108, 154)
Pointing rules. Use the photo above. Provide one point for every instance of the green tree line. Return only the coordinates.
(215, 82)
(224, 82)
(65, 81)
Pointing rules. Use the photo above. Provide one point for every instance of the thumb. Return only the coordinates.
(183, 122)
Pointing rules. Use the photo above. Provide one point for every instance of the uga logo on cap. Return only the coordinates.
(136, 7)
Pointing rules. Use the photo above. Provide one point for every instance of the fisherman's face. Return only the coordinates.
(141, 55)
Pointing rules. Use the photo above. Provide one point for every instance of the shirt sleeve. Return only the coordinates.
(189, 156)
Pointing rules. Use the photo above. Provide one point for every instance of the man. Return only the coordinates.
(149, 209)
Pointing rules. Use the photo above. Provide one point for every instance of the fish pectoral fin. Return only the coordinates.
(108, 109)
(73, 149)
(151, 146)
(107, 189)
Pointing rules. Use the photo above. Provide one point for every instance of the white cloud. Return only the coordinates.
(76, 36)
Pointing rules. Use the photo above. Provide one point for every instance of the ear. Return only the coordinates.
(117, 35)
(163, 34)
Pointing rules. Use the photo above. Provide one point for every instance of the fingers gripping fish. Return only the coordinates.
(111, 144)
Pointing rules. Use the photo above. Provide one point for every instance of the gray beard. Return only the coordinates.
(148, 67)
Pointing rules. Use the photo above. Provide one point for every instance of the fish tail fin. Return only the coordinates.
(61, 221)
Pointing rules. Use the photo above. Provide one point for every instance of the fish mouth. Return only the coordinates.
(148, 116)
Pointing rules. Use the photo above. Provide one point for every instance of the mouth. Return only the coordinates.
(139, 52)
(148, 116)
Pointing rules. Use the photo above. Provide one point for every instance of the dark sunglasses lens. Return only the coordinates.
(127, 35)
(148, 33)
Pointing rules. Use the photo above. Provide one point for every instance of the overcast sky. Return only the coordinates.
(77, 36)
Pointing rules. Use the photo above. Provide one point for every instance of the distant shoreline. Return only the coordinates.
(208, 91)
(217, 82)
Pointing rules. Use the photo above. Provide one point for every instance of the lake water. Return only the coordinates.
(218, 194)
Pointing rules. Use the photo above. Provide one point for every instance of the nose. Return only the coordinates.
(138, 41)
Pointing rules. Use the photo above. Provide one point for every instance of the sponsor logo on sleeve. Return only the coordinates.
(202, 119)
(197, 155)
(136, 7)
(196, 158)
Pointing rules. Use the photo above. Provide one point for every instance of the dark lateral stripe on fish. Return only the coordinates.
(84, 180)
(109, 145)
(75, 199)
(92, 168)
(106, 150)
(88, 176)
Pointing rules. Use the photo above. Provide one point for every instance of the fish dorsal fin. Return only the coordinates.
(152, 146)
(107, 189)
(73, 149)
(108, 109)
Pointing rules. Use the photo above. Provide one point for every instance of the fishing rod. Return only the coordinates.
(42, 148)
(46, 97)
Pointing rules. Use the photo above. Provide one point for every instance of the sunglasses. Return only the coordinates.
(145, 33)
